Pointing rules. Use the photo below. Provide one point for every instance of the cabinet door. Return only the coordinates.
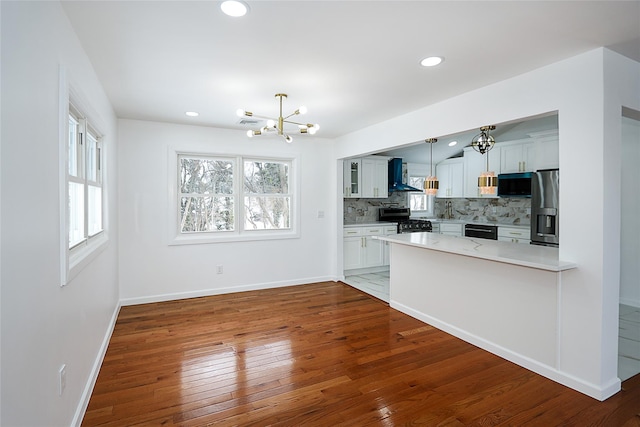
(352, 178)
(456, 179)
(368, 178)
(444, 185)
(381, 178)
(353, 247)
(451, 178)
(548, 153)
(517, 158)
(373, 252)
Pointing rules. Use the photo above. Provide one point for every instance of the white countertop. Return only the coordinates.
(469, 221)
(540, 257)
(370, 224)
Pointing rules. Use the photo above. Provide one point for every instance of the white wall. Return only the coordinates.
(43, 324)
(587, 91)
(630, 224)
(152, 270)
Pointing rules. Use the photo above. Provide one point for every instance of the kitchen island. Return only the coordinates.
(503, 297)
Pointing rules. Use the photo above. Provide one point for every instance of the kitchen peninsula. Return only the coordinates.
(503, 297)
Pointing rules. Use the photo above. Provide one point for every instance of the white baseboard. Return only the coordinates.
(95, 370)
(631, 302)
(599, 392)
(221, 291)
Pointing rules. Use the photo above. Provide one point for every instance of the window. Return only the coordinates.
(84, 181)
(419, 201)
(267, 201)
(233, 198)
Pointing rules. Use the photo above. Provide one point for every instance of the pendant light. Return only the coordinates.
(431, 182)
(483, 143)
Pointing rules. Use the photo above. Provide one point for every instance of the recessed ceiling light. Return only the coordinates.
(192, 114)
(452, 143)
(431, 61)
(234, 8)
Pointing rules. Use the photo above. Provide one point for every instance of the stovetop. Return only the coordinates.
(405, 224)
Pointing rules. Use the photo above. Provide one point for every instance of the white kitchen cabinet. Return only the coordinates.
(361, 249)
(366, 177)
(517, 157)
(388, 230)
(451, 229)
(476, 163)
(547, 149)
(514, 234)
(450, 175)
(375, 177)
(352, 178)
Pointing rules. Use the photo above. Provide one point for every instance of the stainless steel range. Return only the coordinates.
(405, 224)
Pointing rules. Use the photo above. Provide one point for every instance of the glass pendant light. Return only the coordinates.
(431, 182)
(483, 143)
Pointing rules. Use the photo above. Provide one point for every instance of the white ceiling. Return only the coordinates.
(352, 63)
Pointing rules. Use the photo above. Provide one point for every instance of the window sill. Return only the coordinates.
(206, 238)
(81, 257)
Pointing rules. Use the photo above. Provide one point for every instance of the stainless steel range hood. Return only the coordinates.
(395, 177)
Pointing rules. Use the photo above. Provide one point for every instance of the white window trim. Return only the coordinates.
(175, 237)
(74, 260)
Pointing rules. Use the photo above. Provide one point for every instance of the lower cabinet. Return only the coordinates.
(514, 234)
(361, 250)
(451, 229)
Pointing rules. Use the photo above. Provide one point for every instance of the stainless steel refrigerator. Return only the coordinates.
(544, 208)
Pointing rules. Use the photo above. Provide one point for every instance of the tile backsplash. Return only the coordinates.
(515, 211)
(503, 210)
(362, 211)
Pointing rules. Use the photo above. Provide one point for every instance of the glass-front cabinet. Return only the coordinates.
(352, 177)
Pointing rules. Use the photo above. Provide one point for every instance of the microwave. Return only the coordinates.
(514, 184)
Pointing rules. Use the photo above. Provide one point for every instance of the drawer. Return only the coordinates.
(450, 228)
(374, 231)
(511, 232)
(390, 230)
(353, 231)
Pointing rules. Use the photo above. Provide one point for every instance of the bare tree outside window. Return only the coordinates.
(206, 194)
(267, 201)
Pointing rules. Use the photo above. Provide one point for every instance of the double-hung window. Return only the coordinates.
(223, 198)
(84, 181)
(419, 202)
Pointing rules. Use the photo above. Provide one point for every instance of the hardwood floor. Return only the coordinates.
(320, 355)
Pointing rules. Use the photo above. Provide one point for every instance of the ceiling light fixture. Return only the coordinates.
(192, 114)
(431, 182)
(235, 8)
(277, 125)
(453, 143)
(431, 61)
(483, 143)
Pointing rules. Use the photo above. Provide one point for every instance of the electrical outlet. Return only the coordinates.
(62, 377)
(219, 269)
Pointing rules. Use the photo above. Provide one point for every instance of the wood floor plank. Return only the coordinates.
(317, 355)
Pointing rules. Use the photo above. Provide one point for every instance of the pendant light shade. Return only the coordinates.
(431, 182)
(483, 143)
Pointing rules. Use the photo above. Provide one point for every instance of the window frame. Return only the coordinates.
(76, 257)
(239, 234)
(416, 170)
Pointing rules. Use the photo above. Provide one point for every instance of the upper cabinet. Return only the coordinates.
(517, 157)
(450, 175)
(352, 177)
(375, 177)
(366, 177)
(547, 149)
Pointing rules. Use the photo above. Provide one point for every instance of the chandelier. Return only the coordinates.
(483, 143)
(431, 182)
(277, 125)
